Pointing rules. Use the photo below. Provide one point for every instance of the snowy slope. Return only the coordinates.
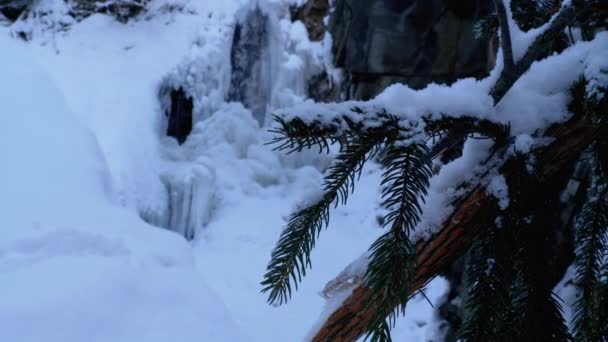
(74, 266)
(84, 157)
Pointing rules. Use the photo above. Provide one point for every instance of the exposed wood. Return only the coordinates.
(349, 321)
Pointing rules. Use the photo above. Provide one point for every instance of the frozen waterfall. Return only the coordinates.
(250, 59)
(270, 60)
(191, 188)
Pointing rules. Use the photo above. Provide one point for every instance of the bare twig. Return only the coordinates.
(505, 37)
(541, 45)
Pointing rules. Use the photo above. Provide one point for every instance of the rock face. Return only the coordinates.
(251, 78)
(179, 115)
(312, 15)
(415, 42)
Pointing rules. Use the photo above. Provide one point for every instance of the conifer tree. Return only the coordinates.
(511, 253)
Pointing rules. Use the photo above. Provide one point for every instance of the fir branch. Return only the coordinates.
(591, 249)
(351, 319)
(539, 315)
(291, 256)
(487, 27)
(601, 153)
(454, 130)
(593, 20)
(296, 135)
(602, 301)
(529, 14)
(389, 272)
(391, 267)
(488, 292)
(468, 126)
(536, 313)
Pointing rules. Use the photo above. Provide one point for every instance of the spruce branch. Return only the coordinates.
(594, 19)
(488, 291)
(603, 303)
(405, 183)
(591, 249)
(532, 216)
(291, 256)
(296, 135)
(529, 14)
(487, 27)
(457, 129)
(351, 319)
(468, 126)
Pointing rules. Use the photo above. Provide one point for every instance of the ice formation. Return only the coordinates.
(251, 59)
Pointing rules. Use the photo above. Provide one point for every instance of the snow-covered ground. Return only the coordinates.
(84, 159)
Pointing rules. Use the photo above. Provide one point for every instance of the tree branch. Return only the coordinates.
(541, 45)
(505, 36)
(349, 321)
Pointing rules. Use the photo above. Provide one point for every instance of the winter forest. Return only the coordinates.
(303, 170)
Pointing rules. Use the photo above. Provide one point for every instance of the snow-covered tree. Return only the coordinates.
(525, 160)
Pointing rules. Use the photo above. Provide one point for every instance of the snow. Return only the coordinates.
(85, 162)
(536, 101)
(499, 189)
(447, 186)
(523, 143)
(74, 265)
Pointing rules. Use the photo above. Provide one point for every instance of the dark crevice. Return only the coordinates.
(180, 115)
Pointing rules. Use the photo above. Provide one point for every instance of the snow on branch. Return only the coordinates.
(540, 46)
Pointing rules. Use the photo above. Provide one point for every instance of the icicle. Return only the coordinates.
(191, 188)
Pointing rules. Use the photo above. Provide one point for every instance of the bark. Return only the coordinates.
(350, 320)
